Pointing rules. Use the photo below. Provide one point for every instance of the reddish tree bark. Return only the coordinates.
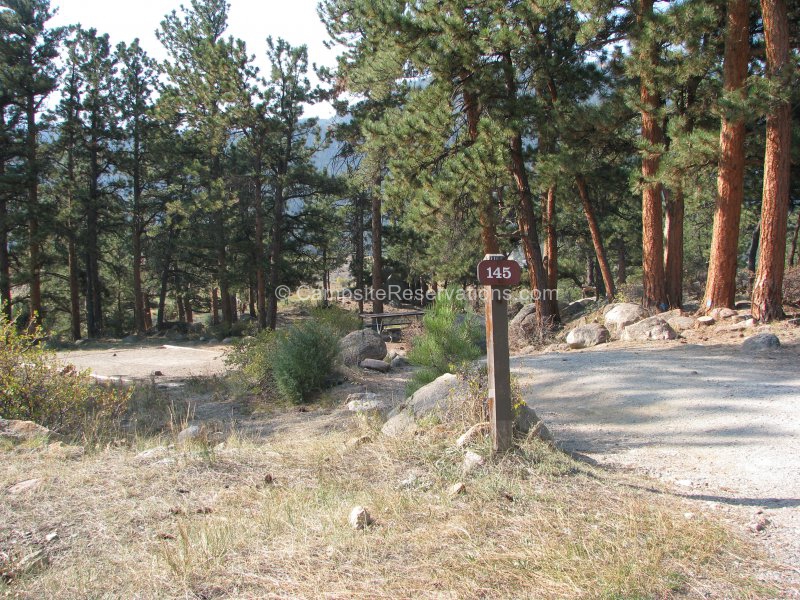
(673, 254)
(597, 239)
(767, 298)
(654, 293)
(551, 248)
(721, 282)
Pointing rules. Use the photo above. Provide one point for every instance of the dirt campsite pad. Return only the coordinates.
(143, 362)
(722, 427)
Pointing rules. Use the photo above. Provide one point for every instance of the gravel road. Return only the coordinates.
(722, 426)
(141, 362)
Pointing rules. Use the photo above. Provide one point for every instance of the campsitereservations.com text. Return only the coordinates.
(400, 294)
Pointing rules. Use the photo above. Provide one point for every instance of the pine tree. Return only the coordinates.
(31, 79)
(721, 282)
(768, 287)
(205, 72)
(137, 82)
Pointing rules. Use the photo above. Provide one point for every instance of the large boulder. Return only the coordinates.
(435, 395)
(761, 342)
(524, 327)
(18, 432)
(622, 315)
(588, 335)
(359, 345)
(653, 328)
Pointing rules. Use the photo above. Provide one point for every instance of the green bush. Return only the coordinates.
(451, 337)
(303, 360)
(291, 363)
(35, 386)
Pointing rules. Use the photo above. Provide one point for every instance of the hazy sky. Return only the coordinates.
(251, 20)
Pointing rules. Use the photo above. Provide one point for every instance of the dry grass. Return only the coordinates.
(269, 520)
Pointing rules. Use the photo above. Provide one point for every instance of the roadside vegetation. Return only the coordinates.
(254, 518)
(451, 337)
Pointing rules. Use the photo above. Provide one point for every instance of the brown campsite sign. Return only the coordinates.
(499, 272)
(495, 271)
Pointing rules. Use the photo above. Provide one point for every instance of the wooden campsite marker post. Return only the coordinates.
(496, 273)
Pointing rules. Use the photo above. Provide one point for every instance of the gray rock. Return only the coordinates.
(682, 323)
(723, 313)
(472, 434)
(435, 395)
(575, 308)
(156, 453)
(375, 365)
(367, 403)
(398, 362)
(524, 327)
(401, 424)
(472, 462)
(130, 339)
(360, 345)
(585, 336)
(24, 486)
(623, 315)
(359, 518)
(704, 321)
(761, 342)
(457, 489)
(652, 328)
(527, 421)
(192, 432)
(227, 340)
(17, 432)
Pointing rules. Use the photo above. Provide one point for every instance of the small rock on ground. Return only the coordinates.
(192, 432)
(24, 486)
(472, 434)
(760, 342)
(457, 489)
(375, 365)
(399, 425)
(22, 431)
(359, 518)
(472, 461)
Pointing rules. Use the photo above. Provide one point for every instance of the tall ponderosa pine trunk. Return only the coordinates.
(5, 263)
(261, 272)
(275, 254)
(94, 302)
(138, 231)
(654, 293)
(526, 216)
(673, 253)
(358, 250)
(768, 288)
(721, 282)
(377, 257)
(34, 243)
(72, 254)
(551, 248)
(597, 239)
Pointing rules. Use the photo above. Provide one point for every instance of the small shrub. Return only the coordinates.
(304, 358)
(35, 386)
(291, 363)
(451, 337)
(473, 406)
